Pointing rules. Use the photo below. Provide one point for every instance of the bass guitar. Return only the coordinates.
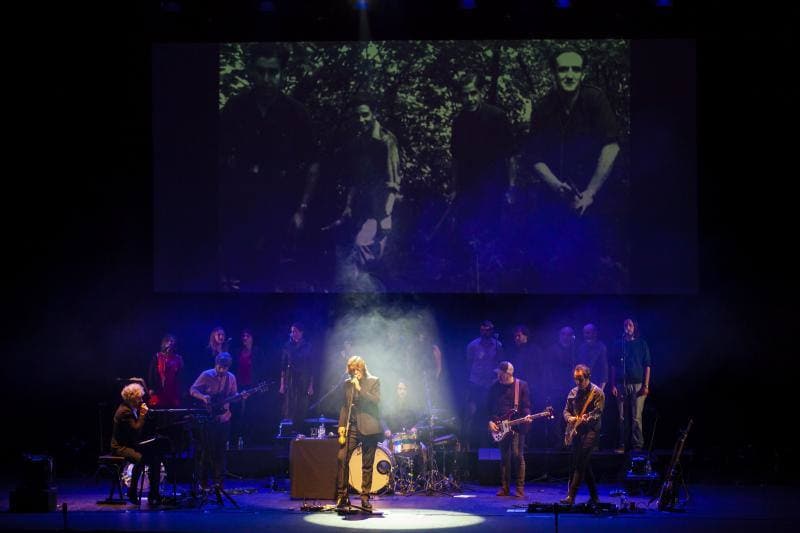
(217, 405)
(505, 423)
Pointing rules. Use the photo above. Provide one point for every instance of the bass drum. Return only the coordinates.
(127, 474)
(382, 469)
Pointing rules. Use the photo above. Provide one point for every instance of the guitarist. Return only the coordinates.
(509, 396)
(583, 412)
(213, 384)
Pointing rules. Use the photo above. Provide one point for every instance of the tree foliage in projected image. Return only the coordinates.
(413, 85)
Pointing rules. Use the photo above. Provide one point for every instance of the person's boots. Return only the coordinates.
(520, 491)
(573, 490)
(504, 477)
(594, 498)
(365, 502)
(342, 501)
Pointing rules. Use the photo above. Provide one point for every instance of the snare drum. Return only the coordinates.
(405, 444)
(382, 469)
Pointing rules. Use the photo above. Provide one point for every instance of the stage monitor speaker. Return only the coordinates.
(489, 466)
(312, 469)
(35, 491)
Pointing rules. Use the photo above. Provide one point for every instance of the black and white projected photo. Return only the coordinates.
(410, 166)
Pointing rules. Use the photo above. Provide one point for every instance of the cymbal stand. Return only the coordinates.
(434, 480)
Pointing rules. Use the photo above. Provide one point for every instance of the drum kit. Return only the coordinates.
(408, 462)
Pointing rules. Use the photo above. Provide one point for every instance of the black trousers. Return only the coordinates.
(512, 460)
(583, 446)
(368, 445)
(141, 456)
(212, 456)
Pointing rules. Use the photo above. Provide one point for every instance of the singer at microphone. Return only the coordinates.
(359, 423)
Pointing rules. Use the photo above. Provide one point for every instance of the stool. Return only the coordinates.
(112, 466)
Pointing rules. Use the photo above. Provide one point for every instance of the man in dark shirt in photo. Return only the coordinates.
(268, 174)
(372, 177)
(484, 168)
(572, 147)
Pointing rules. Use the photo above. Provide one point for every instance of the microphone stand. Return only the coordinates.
(626, 417)
(325, 396)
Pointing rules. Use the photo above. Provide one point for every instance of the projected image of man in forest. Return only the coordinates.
(511, 174)
(483, 172)
(371, 173)
(572, 148)
(268, 173)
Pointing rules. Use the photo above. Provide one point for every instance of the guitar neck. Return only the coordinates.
(528, 418)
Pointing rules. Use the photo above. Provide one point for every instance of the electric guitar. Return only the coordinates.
(505, 423)
(572, 427)
(217, 405)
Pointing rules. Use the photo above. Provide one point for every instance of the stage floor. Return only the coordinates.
(476, 508)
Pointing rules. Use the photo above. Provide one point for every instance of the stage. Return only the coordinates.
(711, 508)
(476, 508)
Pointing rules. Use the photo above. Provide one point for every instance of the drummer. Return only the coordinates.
(402, 415)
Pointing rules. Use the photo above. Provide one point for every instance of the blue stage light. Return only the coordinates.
(563, 4)
(266, 6)
(468, 4)
(362, 5)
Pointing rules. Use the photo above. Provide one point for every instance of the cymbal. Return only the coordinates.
(320, 420)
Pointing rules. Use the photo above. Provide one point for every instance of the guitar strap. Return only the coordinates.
(588, 401)
(516, 395)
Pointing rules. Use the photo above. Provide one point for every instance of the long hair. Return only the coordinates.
(635, 326)
(359, 363)
(167, 337)
(211, 343)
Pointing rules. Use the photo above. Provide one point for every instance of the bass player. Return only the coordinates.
(509, 396)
